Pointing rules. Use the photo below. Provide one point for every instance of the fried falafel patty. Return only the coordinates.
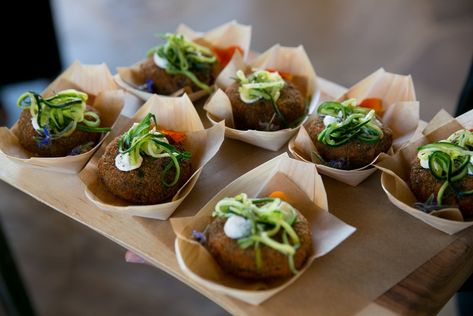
(423, 184)
(241, 262)
(166, 84)
(59, 147)
(142, 185)
(260, 114)
(352, 155)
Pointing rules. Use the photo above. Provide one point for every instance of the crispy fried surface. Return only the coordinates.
(352, 155)
(260, 114)
(241, 262)
(59, 147)
(423, 184)
(142, 185)
(166, 84)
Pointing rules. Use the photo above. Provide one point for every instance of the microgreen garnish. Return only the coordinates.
(59, 115)
(143, 139)
(269, 217)
(180, 56)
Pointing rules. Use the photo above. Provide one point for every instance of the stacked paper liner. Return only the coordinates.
(177, 114)
(292, 60)
(401, 116)
(97, 82)
(226, 35)
(396, 169)
(305, 191)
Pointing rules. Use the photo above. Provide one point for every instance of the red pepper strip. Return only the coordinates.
(224, 55)
(284, 75)
(176, 136)
(373, 103)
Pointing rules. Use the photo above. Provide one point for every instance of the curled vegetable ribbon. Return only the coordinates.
(449, 160)
(142, 139)
(352, 123)
(261, 84)
(59, 115)
(269, 217)
(180, 56)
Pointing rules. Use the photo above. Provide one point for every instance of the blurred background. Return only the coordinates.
(71, 270)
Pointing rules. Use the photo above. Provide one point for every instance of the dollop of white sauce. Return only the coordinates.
(122, 162)
(424, 163)
(160, 62)
(34, 122)
(329, 120)
(237, 227)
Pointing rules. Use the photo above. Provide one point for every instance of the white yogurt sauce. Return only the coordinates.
(160, 62)
(34, 122)
(237, 227)
(122, 162)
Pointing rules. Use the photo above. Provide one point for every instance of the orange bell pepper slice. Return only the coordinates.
(284, 75)
(176, 136)
(279, 194)
(375, 104)
(224, 55)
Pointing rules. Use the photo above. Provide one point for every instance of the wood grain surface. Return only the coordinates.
(416, 267)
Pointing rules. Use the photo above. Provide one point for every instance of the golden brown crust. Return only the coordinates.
(423, 184)
(241, 262)
(166, 84)
(352, 155)
(58, 148)
(259, 114)
(142, 185)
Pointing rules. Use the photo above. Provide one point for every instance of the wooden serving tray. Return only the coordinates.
(392, 261)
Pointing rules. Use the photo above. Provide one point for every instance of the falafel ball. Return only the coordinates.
(423, 184)
(352, 155)
(142, 185)
(260, 114)
(60, 147)
(166, 84)
(241, 262)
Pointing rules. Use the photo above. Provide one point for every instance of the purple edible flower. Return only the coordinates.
(44, 139)
(200, 237)
(149, 85)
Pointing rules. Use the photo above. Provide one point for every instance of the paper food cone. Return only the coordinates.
(177, 114)
(394, 179)
(306, 192)
(400, 114)
(226, 35)
(97, 82)
(292, 60)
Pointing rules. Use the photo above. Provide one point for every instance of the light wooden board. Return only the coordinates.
(365, 207)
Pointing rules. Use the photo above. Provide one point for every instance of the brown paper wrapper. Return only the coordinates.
(97, 82)
(401, 115)
(396, 168)
(226, 35)
(177, 114)
(306, 192)
(293, 60)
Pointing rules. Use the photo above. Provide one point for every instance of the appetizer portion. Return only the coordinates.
(258, 238)
(265, 101)
(145, 165)
(347, 136)
(442, 174)
(60, 125)
(180, 64)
